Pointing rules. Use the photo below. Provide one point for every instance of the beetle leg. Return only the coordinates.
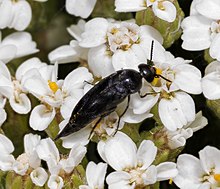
(94, 127)
(142, 96)
(116, 130)
(88, 82)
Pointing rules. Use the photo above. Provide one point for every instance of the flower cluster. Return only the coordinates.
(138, 157)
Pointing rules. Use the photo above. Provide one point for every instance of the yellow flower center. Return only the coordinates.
(217, 177)
(156, 80)
(171, 181)
(53, 86)
(160, 5)
(152, 1)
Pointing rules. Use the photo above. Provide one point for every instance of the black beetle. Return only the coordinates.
(103, 98)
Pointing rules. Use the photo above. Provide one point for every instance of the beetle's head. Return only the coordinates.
(147, 72)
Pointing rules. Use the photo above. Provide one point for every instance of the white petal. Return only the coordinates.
(150, 175)
(27, 65)
(213, 51)
(146, 153)
(22, 15)
(129, 5)
(212, 67)
(100, 62)
(76, 79)
(171, 113)
(7, 52)
(6, 86)
(6, 162)
(131, 117)
(119, 179)
(95, 33)
(190, 170)
(6, 14)
(41, 117)
(210, 9)
(47, 150)
(3, 116)
(80, 137)
(30, 143)
(20, 167)
(64, 54)
(188, 78)
(39, 176)
(6, 146)
(77, 30)
(149, 31)
(209, 157)
(96, 180)
(55, 182)
(199, 122)
(193, 10)
(168, 13)
(23, 42)
(196, 33)
(80, 8)
(37, 86)
(20, 104)
(76, 155)
(4, 70)
(125, 60)
(142, 105)
(210, 86)
(166, 171)
(120, 152)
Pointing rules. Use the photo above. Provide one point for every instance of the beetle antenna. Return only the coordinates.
(151, 51)
(164, 78)
(150, 62)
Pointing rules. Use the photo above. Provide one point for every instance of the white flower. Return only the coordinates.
(48, 152)
(39, 176)
(178, 138)
(116, 45)
(165, 10)
(12, 87)
(55, 182)
(16, 45)
(81, 8)
(6, 159)
(211, 81)
(201, 29)
(15, 14)
(72, 52)
(199, 173)
(133, 166)
(176, 107)
(62, 95)
(29, 158)
(95, 176)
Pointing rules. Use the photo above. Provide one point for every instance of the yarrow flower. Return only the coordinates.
(133, 166)
(15, 45)
(95, 181)
(199, 173)
(164, 10)
(48, 152)
(201, 30)
(54, 95)
(15, 14)
(170, 95)
(178, 138)
(26, 163)
(116, 45)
